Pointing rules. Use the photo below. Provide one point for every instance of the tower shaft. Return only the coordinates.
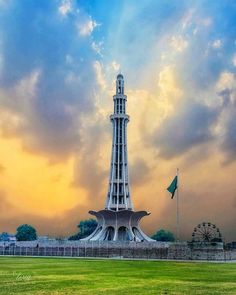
(118, 221)
(118, 197)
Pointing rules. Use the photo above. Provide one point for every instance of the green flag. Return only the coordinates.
(173, 186)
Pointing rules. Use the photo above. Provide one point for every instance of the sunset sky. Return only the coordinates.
(58, 64)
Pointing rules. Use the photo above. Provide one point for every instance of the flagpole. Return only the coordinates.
(177, 207)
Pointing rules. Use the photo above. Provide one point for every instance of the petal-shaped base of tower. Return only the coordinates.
(120, 225)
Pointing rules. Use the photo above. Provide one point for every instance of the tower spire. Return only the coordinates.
(118, 196)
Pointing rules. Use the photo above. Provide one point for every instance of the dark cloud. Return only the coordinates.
(228, 140)
(42, 49)
(139, 172)
(196, 206)
(189, 126)
(227, 137)
(89, 171)
(198, 154)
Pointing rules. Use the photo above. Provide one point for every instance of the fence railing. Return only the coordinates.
(109, 251)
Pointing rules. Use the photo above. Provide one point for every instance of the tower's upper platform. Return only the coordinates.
(120, 84)
(120, 76)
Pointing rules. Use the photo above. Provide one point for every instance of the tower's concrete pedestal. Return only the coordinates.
(120, 225)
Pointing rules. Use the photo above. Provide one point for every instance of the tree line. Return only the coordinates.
(26, 232)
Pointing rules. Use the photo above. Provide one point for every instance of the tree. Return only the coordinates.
(164, 236)
(86, 227)
(26, 232)
(4, 236)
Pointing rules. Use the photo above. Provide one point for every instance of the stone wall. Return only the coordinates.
(156, 250)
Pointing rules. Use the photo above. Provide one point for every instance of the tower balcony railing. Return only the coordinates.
(119, 180)
(119, 96)
(119, 116)
(113, 205)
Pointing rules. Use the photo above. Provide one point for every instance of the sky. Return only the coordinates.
(58, 64)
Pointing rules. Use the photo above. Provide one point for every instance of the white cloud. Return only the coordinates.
(206, 22)
(169, 90)
(168, 84)
(179, 43)
(226, 80)
(217, 44)
(97, 47)
(187, 19)
(100, 74)
(10, 121)
(27, 87)
(65, 7)
(86, 28)
(23, 92)
(114, 66)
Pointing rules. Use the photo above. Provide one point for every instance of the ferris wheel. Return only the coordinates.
(206, 232)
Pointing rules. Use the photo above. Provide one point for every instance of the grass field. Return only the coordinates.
(20, 275)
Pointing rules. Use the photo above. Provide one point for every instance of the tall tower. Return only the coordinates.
(118, 197)
(118, 221)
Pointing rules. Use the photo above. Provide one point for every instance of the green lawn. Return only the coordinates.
(82, 276)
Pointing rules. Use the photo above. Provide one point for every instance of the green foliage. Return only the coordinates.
(86, 227)
(74, 237)
(164, 236)
(4, 236)
(26, 232)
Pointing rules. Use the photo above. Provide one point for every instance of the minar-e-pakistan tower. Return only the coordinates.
(118, 221)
